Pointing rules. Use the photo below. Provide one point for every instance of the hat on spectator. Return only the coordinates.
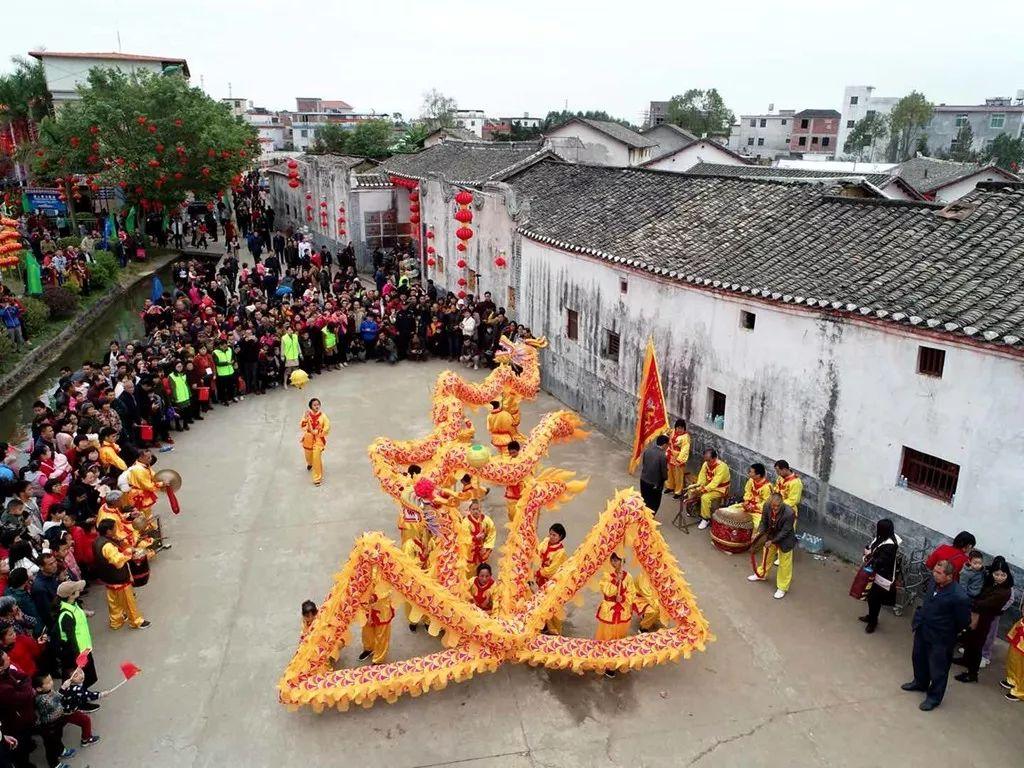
(68, 589)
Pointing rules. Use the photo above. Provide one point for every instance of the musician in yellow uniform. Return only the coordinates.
(482, 534)
(499, 424)
(418, 548)
(756, 492)
(552, 556)
(712, 484)
(646, 604)
(110, 451)
(143, 484)
(315, 427)
(481, 588)
(377, 629)
(678, 453)
(615, 611)
(111, 557)
(789, 485)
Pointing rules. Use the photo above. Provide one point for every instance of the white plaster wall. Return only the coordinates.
(837, 398)
(961, 188)
(698, 152)
(64, 75)
(598, 148)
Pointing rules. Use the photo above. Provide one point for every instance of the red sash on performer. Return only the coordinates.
(618, 607)
(545, 561)
(476, 527)
(482, 590)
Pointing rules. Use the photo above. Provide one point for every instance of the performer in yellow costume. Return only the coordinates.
(111, 563)
(143, 484)
(513, 491)
(470, 489)
(481, 588)
(552, 555)
(511, 404)
(499, 424)
(618, 594)
(410, 514)
(756, 492)
(1014, 680)
(110, 451)
(418, 548)
(646, 604)
(712, 484)
(315, 426)
(789, 485)
(678, 453)
(377, 629)
(482, 533)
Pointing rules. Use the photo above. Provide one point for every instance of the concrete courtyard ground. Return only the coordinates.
(793, 682)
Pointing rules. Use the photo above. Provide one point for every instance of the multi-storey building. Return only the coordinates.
(763, 137)
(815, 132)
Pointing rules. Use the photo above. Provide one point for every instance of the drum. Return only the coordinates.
(145, 432)
(139, 568)
(204, 394)
(731, 529)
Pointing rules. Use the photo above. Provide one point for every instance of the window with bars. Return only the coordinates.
(610, 348)
(929, 474)
(572, 324)
(931, 361)
(381, 229)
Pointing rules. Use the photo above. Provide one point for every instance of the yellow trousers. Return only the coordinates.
(314, 459)
(676, 479)
(650, 618)
(706, 500)
(611, 631)
(510, 508)
(377, 639)
(1015, 672)
(785, 575)
(121, 607)
(755, 518)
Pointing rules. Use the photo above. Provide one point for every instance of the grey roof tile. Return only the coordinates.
(463, 162)
(768, 172)
(617, 131)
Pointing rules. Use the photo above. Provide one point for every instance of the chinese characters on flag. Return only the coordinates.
(652, 417)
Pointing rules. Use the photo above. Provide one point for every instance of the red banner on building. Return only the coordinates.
(652, 416)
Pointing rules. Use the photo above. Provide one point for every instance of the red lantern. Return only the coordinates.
(323, 203)
(414, 196)
(430, 234)
(178, 175)
(309, 195)
(431, 262)
(430, 249)
(464, 197)
(461, 263)
(461, 281)
(414, 218)
(119, 160)
(464, 215)
(292, 164)
(294, 183)
(342, 232)
(464, 233)
(211, 153)
(461, 294)
(500, 262)
(159, 148)
(461, 247)
(178, 123)
(414, 207)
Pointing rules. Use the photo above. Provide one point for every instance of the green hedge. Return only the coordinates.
(7, 348)
(35, 316)
(69, 242)
(62, 302)
(104, 269)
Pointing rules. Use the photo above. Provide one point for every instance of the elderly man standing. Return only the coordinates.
(777, 526)
(944, 614)
(654, 472)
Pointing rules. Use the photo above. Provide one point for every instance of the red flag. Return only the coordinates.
(652, 416)
(175, 507)
(82, 659)
(129, 670)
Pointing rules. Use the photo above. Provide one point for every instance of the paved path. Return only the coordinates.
(793, 682)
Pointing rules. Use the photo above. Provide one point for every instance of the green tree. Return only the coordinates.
(557, 118)
(153, 135)
(922, 145)
(330, 139)
(413, 138)
(700, 112)
(24, 101)
(908, 117)
(371, 138)
(865, 135)
(963, 149)
(438, 110)
(1007, 152)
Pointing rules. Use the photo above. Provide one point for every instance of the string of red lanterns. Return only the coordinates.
(463, 215)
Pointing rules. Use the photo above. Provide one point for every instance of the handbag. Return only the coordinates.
(883, 582)
(861, 583)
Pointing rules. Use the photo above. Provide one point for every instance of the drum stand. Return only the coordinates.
(687, 515)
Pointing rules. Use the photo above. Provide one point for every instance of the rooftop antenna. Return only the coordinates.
(229, 90)
(119, 41)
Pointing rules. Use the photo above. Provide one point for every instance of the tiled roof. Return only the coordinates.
(817, 113)
(465, 162)
(796, 243)
(616, 131)
(340, 161)
(669, 138)
(928, 173)
(768, 172)
(372, 181)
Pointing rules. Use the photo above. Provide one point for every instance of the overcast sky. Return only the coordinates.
(528, 56)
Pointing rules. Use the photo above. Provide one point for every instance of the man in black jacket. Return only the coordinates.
(654, 472)
(945, 613)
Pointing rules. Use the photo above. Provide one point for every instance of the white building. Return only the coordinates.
(523, 121)
(471, 120)
(859, 101)
(681, 157)
(893, 395)
(599, 142)
(763, 137)
(237, 106)
(66, 71)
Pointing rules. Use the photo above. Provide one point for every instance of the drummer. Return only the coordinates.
(756, 492)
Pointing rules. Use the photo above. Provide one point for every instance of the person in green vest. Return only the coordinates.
(329, 332)
(73, 629)
(224, 358)
(291, 352)
(181, 397)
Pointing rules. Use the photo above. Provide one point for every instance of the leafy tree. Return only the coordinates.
(1007, 152)
(700, 112)
(24, 101)
(922, 145)
(413, 138)
(153, 135)
(963, 151)
(370, 138)
(557, 118)
(908, 117)
(438, 110)
(866, 133)
(330, 139)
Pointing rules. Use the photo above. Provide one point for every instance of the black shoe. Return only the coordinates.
(966, 677)
(145, 624)
(200, 418)
(912, 686)
(412, 627)
(365, 655)
(870, 628)
(1006, 684)
(928, 705)
(89, 706)
(865, 619)
(309, 467)
(187, 428)
(667, 491)
(609, 673)
(677, 496)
